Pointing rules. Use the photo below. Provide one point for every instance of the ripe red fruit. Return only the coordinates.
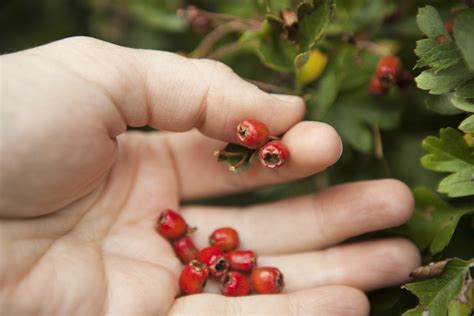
(376, 87)
(242, 260)
(193, 277)
(235, 284)
(387, 69)
(267, 280)
(225, 238)
(273, 154)
(252, 133)
(215, 259)
(171, 225)
(185, 249)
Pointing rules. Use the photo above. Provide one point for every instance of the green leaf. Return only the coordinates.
(467, 126)
(450, 153)
(429, 22)
(440, 56)
(463, 32)
(441, 104)
(433, 222)
(466, 105)
(313, 18)
(443, 81)
(354, 115)
(424, 45)
(275, 51)
(466, 90)
(435, 294)
(239, 158)
(463, 305)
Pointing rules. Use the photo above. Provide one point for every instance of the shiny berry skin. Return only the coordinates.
(376, 87)
(215, 259)
(171, 225)
(387, 69)
(235, 284)
(242, 260)
(185, 249)
(225, 238)
(252, 133)
(267, 280)
(193, 277)
(273, 154)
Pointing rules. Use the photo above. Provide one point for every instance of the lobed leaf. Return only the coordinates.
(463, 32)
(436, 294)
(313, 18)
(430, 23)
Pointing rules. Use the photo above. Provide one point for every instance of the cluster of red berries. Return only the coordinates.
(389, 71)
(221, 260)
(254, 134)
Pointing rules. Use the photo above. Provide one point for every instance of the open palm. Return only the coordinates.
(80, 197)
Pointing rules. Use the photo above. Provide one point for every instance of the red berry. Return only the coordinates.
(242, 260)
(225, 238)
(215, 259)
(235, 284)
(267, 280)
(273, 154)
(448, 26)
(193, 277)
(252, 133)
(185, 249)
(171, 225)
(376, 87)
(387, 69)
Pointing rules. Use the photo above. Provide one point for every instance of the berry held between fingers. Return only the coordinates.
(235, 284)
(193, 277)
(267, 280)
(171, 225)
(242, 260)
(225, 238)
(252, 133)
(215, 259)
(273, 154)
(185, 249)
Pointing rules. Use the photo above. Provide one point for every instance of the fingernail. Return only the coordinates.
(288, 98)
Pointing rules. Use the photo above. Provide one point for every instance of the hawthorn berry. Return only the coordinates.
(387, 69)
(214, 258)
(252, 133)
(242, 260)
(225, 238)
(185, 249)
(273, 154)
(267, 280)
(235, 284)
(171, 225)
(193, 277)
(376, 87)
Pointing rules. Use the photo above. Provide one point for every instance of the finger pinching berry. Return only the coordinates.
(215, 259)
(242, 260)
(273, 154)
(225, 238)
(185, 249)
(252, 133)
(193, 278)
(267, 280)
(171, 225)
(235, 284)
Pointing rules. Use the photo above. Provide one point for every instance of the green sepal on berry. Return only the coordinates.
(239, 158)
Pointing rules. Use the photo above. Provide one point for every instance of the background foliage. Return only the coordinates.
(327, 52)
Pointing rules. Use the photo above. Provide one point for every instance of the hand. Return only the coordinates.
(80, 196)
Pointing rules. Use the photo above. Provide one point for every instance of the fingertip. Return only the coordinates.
(314, 145)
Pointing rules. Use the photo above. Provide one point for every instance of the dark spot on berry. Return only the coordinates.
(221, 265)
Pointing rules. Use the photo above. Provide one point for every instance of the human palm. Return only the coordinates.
(80, 197)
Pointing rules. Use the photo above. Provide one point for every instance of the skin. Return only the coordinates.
(80, 196)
